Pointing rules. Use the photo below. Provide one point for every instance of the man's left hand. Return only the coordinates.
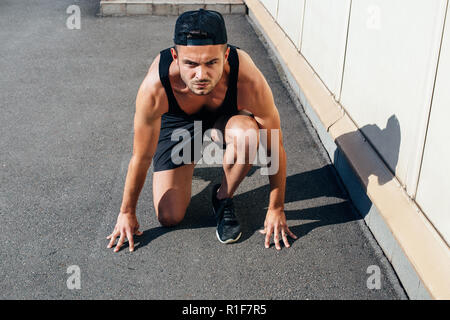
(276, 223)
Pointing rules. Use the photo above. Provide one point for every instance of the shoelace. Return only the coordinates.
(228, 215)
(225, 210)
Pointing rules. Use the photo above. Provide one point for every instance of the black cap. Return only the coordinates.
(199, 28)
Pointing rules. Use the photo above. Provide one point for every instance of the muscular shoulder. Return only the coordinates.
(151, 94)
(247, 69)
(252, 85)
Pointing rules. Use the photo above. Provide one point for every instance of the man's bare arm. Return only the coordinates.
(257, 98)
(150, 106)
(147, 124)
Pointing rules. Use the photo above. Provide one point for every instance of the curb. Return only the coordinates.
(117, 8)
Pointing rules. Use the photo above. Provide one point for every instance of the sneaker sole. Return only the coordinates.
(229, 240)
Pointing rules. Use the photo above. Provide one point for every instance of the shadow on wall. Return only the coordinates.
(388, 140)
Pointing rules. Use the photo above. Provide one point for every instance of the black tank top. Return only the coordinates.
(229, 104)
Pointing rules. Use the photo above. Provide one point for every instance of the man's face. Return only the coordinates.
(201, 67)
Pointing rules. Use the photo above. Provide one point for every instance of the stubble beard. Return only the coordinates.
(201, 91)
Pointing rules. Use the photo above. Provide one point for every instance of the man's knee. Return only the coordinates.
(171, 206)
(242, 139)
(169, 218)
(242, 129)
(242, 122)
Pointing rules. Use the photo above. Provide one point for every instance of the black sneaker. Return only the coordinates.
(228, 228)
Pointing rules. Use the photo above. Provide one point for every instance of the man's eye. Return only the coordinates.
(212, 62)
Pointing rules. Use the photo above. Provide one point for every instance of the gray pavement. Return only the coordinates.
(67, 107)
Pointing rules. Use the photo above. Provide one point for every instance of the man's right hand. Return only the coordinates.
(126, 226)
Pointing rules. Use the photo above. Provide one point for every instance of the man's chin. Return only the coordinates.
(201, 92)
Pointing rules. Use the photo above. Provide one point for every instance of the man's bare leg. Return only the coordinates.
(172, 193)
(236, 170)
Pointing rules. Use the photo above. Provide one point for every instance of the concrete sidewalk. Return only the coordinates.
(67, 100)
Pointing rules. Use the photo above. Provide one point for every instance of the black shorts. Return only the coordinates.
(192, 134)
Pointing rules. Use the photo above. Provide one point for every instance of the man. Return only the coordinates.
(202, 79)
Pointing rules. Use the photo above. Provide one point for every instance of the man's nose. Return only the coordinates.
(200, 73)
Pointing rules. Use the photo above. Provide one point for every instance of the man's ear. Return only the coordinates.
(227, 52)
(174, 53)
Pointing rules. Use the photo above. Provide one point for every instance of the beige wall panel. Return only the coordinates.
(290, 18)
(433, 193)
(323, 40)
(271, 6)
(389, 73)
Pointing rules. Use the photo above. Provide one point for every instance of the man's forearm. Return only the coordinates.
(278, 182)
(136, 175)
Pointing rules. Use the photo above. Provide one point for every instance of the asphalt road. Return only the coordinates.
(67, 107)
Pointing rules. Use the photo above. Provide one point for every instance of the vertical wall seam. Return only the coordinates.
(413, 196)
(303, 25)
(345, 51)
(278, 5)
